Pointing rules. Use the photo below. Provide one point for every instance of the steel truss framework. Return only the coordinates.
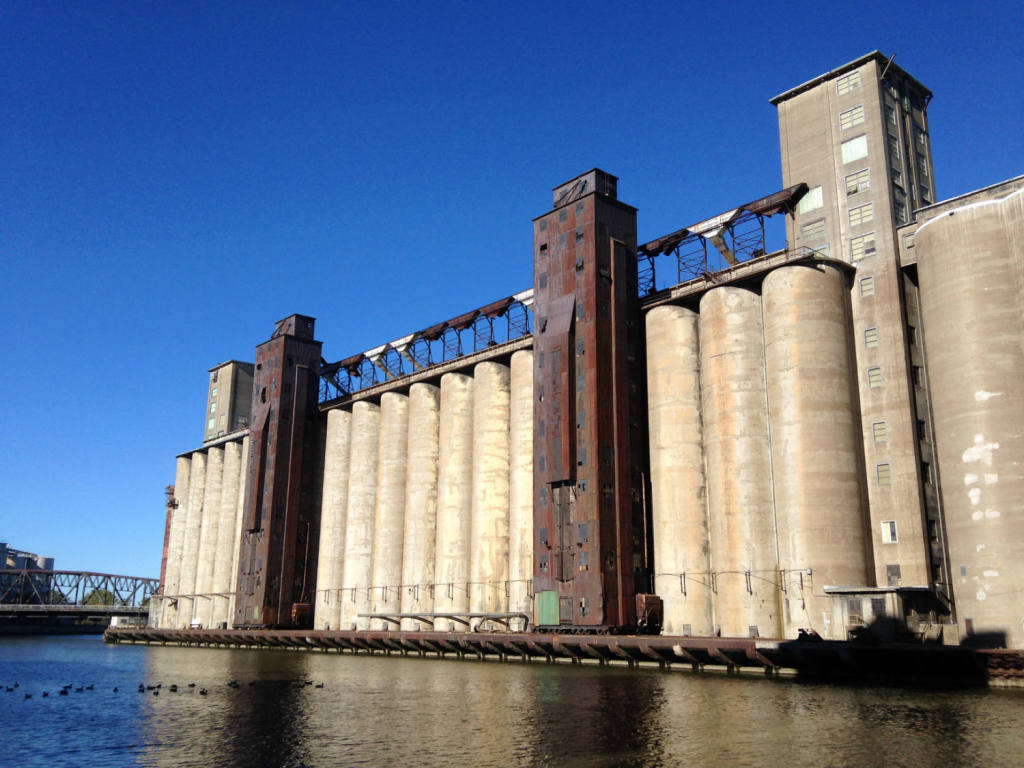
(74, 588)
(504, 320)
(734, 237)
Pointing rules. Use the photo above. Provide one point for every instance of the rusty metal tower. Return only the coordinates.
(591, 546)
(280, 525)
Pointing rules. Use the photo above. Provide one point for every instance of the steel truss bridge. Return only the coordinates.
(29, 592)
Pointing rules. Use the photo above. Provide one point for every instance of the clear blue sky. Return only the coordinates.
(174, 177)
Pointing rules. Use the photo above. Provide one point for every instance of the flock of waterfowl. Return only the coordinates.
(154, 689)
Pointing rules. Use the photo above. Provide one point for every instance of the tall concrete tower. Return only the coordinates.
(280, 523)
(591, 540)
(858, 136)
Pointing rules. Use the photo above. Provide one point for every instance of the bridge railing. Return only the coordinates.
(28, 586)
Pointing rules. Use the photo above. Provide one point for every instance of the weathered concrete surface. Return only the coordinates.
(681, 547)
(454, 497)
(389, 521)
(357, 569)
(333, 515)
(237, 545)
(176, 540)
(420, 535)
(489, 547)
(190, 545)
(202, 611)
(971, 268)
(221, 581)
(520, 489)
(741, 513)
(815, 439)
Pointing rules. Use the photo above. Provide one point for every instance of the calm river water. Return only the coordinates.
(417, 712)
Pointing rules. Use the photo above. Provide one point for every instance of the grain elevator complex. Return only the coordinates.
(689, 435)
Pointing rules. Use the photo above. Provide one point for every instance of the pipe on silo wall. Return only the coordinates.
(815, 441)
(741, 513)
(389, 520)
(489, 548)
(175, 542)
(520, 487)
(357, 568)
(202, 610)
(454, 499)
(678, 495)
(190, 545)
(237, 530)
(221, 583)
(333, 512)
(971, 271)
(420, 534)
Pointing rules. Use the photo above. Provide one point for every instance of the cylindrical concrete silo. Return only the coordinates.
(815, 439)
(190, 545)
(420, 504)
(520, 488)
(741, 513)
(489, 548)
(454, 499)
(389, 523)
(679, 512)
(971, 268)
(333, 512)
(175, 542)
(237, 530)
(357, 569)
(225, 533)
(202, 610)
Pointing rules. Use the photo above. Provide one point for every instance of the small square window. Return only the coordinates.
(858, 182)
(210, 424)
(880, 431)
(813, 231)
(854, 149)
(867, 286)
(889, 532)
(893, 143)
(871, 338)
(862, 246)
(893, 575)
(851, 117)
(883, 473)
(875, 377)
(847, 83)
(862, 214)
(213, 407)
(900, 208)
(811, 201)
